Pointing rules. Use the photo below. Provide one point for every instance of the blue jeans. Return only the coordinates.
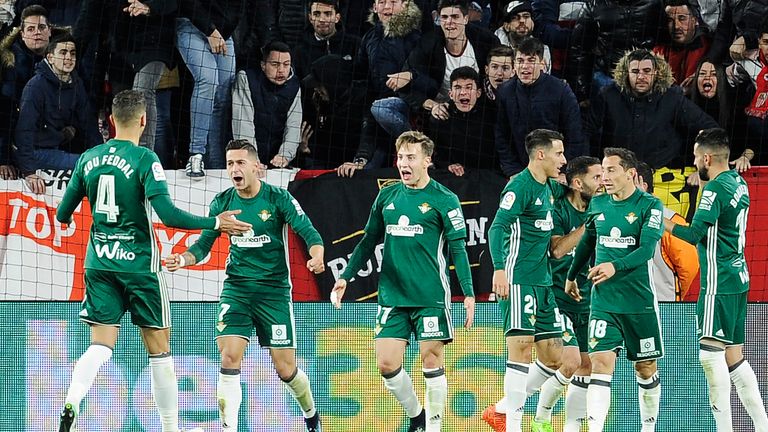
(164, 140)
(213, 75)
(54, 159)
(392, 115)
(146, 80)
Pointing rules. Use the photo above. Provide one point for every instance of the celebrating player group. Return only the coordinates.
(572, 275)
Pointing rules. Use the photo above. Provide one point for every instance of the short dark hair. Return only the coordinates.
(500, 51)
(627, 158)
(59, 38)
(539, 138)
(579, 166)
(715, 140)
(274, 46)
(643, 54)
(465, 72)
(531, 46)
(463, 5)
(242, 144)
(34, 10)
(646, 172)
(128, 105)
(677, 3)
(334, 3)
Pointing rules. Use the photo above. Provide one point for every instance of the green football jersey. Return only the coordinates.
(260, 256)
(723, 208)
(566, 219)
(522, 229)
(416, 225)
(119, 178)
(619, 229)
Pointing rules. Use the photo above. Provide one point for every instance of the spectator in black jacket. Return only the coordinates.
(20, 51)
(499, 68)
(289, 20)
(56, 122)
(325, 37)
(465, 140)
(643, 112)
(425, 81)
(606, 31)
(204, 29)
(142, 34)
(532, 100)
(383, 51)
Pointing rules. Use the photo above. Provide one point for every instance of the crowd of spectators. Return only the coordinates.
(316, 84)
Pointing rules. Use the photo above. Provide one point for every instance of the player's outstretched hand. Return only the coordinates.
(500, 284)
(469, 306)
(338, 292)
(174, 262)
(601, 273)
(230, 225)
(572, 289)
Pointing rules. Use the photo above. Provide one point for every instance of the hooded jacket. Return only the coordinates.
(427, 62)
(466, 137)
(384, 49)
(48, 105)
(548, 103)
(656, 125)
(310, 49)
(607, 29)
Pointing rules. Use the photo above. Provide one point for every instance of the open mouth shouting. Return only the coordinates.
(406, 174)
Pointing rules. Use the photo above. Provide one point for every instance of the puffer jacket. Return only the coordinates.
(290, 19)
(607, 29)
(385, 48)
(48, 105)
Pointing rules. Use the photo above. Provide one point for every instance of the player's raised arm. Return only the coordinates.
(72, 196)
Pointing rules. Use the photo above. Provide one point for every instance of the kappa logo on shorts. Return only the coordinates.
(280, 335)
(431, 327)
(647, 345)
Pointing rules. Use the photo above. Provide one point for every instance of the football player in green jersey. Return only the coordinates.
(519, 240)
(124, 183)
(257, 291)
(719, 231)
(584, 176)
(416, 218)
(623, 229)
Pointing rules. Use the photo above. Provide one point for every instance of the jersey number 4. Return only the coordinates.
(105, 198)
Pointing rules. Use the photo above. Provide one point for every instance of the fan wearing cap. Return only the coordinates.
(518, 24)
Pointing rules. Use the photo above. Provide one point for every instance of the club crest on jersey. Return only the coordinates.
(631, 217)
(264, 215)
(424, 207)
(532, 319)
(567, 336)
(593, 343)
(220, 326)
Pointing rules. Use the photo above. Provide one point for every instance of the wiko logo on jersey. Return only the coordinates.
(545, 224)
(656, 219)
(707, 200)
(616, 241)
(431, 327)
(114, 253)
(403, 229)
(507, 201)
(457, 219)
(280, 335)
(250, 240)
